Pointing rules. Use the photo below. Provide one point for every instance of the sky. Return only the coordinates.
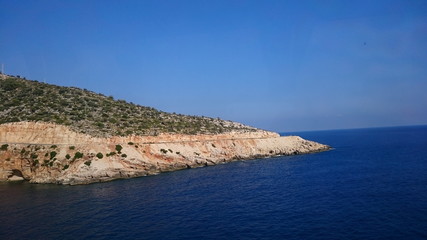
(276, 65)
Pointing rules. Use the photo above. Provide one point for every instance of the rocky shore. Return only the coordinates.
(50, 153)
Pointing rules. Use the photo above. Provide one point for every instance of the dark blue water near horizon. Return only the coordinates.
(372, 185)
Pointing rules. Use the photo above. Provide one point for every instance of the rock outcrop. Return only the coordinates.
(50, 153)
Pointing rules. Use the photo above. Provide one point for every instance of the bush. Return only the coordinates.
(124, 155)
(164, 151)
(119, 148)
(34, 156)
(88, 163)
(72, 147)
(4, 147)
(111, 154)
(78, 155)
(52, 154)
(66, 167)
(130, 143)
(67, 156)
(11, 84)
(99, 155)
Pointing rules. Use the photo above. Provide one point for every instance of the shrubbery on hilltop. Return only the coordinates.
(95, 114)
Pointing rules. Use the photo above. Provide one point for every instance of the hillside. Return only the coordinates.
(66, 135)
(95, 114)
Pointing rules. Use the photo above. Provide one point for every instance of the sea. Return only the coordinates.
(371, 185)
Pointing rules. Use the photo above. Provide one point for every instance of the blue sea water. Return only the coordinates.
(372, 185)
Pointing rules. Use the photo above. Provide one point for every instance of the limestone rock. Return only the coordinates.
(49, 153)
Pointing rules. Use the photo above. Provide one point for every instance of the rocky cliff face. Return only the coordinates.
(49, 153)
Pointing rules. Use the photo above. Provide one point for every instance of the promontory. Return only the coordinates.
(67, 135)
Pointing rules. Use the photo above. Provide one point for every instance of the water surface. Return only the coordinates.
(373, 185)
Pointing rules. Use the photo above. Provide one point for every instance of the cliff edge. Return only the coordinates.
(67, 135)
(51, 153)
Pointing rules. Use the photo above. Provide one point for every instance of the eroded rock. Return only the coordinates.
(49, 153)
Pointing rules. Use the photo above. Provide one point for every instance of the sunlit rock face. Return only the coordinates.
(50, 153)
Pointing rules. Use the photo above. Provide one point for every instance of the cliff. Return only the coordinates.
(51, 153)
(93, 138)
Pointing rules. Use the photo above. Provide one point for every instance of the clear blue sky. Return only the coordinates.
(277, 65)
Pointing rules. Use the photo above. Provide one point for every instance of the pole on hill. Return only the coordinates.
(2, 71)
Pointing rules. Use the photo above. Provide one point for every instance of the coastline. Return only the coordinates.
(50, 153)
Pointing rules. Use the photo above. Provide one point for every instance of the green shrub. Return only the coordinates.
(52, 154)
(66, 166)
(124, 155)
(164, 151)
(34, 156)
(72, 147)
(78, 155)
(67, 156)
(88, 163)
(119, 148)
(111, 154)
(11, 84)
(53, 146)
(130, 143)
(99, 155)
(4, 147)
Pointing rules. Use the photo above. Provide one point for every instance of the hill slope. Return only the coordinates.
(66, 135)
(95, 114)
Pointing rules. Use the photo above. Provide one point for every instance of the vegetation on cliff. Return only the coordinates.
(95, 114)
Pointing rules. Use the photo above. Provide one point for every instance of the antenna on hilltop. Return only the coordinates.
(2, 71)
